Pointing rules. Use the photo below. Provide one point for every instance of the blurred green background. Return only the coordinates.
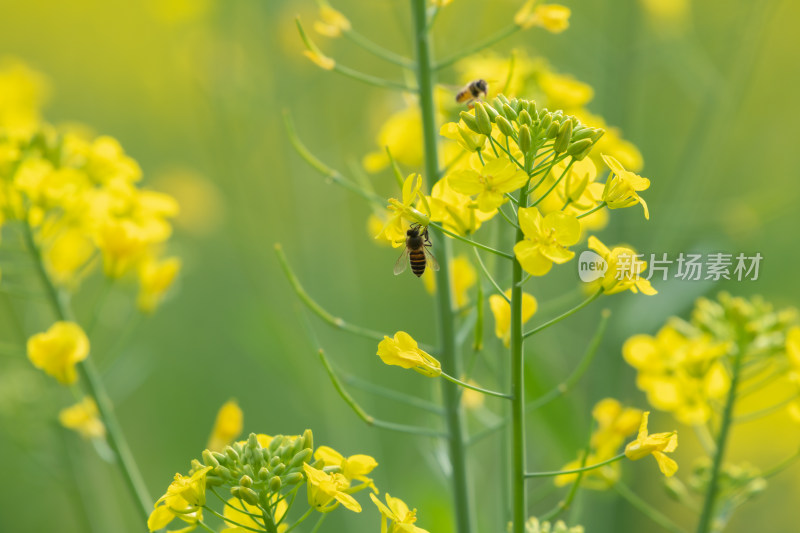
(194, 91)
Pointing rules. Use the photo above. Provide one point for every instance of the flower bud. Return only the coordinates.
(493, 114)
(222, 472)
(263, 473)
(246, 481)
(248, 471)
(563, 137)
(579, 146)
(236, 491)
(582, 133)
(213, 481)
(482, 119)
(252, 442)
(524, 118)
(470, 121)
(275, 484)
(209, 459)
(308, 439)
(504, 126)
(298, 460)
(509, 112)
(524, 141)
(279, 469)
(274, 462)
(231, 453)
(597, 134)
(293, 478)
(546, 121)
(248, 495)
(552, 131)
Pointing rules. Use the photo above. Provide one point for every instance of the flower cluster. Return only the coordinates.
(260, 478)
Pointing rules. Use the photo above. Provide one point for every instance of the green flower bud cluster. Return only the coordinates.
(751, 323)
(255, 473)
(532, 128)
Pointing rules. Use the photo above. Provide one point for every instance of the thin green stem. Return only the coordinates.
(473, 387)
(412, 401)
(707, 514)
(547, 193)
(561, 317)
(588, 356)
(489, 277)
(575, 470)
(651, 512)
(378, 50)
(319, 522)
(230, 520)
(598, 207)
(507, 152)
(449, 353)
(363, 415)
(300, 520)
(94, 386)
(564, 504)
(475, 48)
(469, 241)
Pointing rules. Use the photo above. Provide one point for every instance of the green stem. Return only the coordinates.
(489, 277)
(482, 45)
(647, 509)
(598, 207)
(519, 510)
(94, 386)
(469, 241)
(378, 50)
(451, 394)
(575, 470)
(407, 399)
(561, 317)
(707, 515)
(487, 392)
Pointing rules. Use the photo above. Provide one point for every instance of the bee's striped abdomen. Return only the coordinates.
(417, 260)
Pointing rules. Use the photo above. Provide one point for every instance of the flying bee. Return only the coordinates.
(473, 91)
(417, 243)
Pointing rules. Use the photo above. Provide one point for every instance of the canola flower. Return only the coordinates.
(403, 351)
(501, 311)
(657, 445)
(623, 186)
(227, 426)
(84, 418)
(547, 240)
(57, 350)
(624, 270)
(401, 519)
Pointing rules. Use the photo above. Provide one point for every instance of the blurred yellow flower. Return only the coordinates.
(403, 351)
(401, 134)
(622, 187)
(356, 467)
(401, 518)
(227, 426)
(657, 445)
(155, 278)
(682, 375)
(23, 91)
(325, 491)
(333, 23)
(502, 313)
(184, 499)
(552, 17)
(563, 91)
(624, 270)
(83, 417)
(58, 350)
(546, 239)
(465, 137)
(201, 206)
(67, 254)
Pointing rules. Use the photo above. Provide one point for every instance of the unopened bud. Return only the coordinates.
(263, 473)
(482, 119)
(469, 121)
(509, 112)
(552, 131)
(579, 146)
(301, 457)
(246, 481)
(248, 495)
(563, 137)
(504, 126)
(209, 459)
(293, 478)
(524, 141)
(275, 484)
(524, 118)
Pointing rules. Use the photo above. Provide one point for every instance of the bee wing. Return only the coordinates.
(431, 260)
(402, 262)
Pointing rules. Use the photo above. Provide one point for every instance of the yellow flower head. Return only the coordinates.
(333, 23)
(356, 467)
(657, 445)
(546, 240)
(552, 17)
(502, 313)
(679, 374)
(489, 183)
(58, 350)
(22, 93)
(465, 137)
(83, 418)
(456, 211)
(234, 516)
(155, 278)
(622, 187)
(227, 426)
(403, 351)
(401, 518)
(402, 213)
(401, 134)
(624, 270)
(325, 491)
(184, 498)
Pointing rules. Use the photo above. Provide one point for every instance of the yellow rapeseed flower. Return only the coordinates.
(622, 187)
(401, 518)
(155, 278)
(546, 240)
(552, 17)
(325, 491)
(401, 134)
(83, 418)
(456, 211)
(403, 351)
(657, 445)
(502, 313)
(356, 467)
(333, 23)
(234, 516)
(58, 350)
(184, 499)
(489, 183)
(624, 270)
(227, 426)
(403, 213)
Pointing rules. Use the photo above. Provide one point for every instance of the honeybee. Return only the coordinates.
(417, 243)
(474, 90)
